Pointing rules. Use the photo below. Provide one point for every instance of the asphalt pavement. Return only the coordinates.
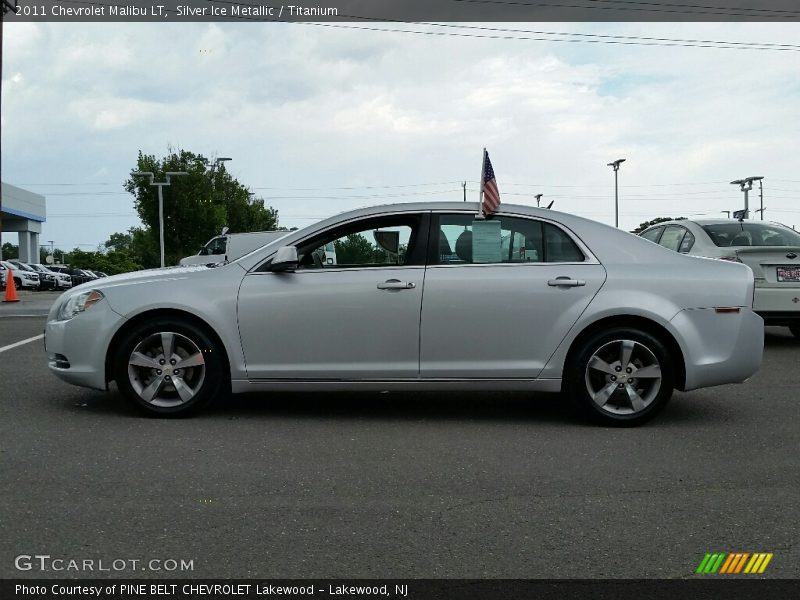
(395, 485)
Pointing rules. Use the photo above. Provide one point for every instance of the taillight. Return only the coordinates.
(727, 310)
(733, 258)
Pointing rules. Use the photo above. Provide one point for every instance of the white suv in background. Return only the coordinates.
(62, 280)
(22, 279)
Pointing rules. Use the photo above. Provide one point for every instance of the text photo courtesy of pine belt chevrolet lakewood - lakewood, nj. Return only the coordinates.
(434, 296)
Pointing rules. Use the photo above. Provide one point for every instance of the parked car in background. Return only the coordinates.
(62, 280)
(771, 250)
(47, 281)
(231, 246)
(423, 296)
(23, 278)
(78, 276)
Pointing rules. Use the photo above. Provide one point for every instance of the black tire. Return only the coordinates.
(618, 408)
(212, 383)
(17, 283)
(795, 329)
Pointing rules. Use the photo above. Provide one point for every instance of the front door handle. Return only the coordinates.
(396, 284)
(564, 281)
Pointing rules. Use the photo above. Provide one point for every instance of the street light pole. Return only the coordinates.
(159, 184)
(615, 165)
(538, 200)
(746, 185)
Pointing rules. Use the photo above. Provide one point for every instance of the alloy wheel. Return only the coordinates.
(166, 369)
(623, 377)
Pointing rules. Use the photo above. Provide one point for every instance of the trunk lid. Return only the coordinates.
(772, 265)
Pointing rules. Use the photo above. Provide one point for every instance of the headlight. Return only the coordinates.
(78, 303)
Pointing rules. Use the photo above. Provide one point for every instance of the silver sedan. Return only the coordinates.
(771, 250)
(426, 297)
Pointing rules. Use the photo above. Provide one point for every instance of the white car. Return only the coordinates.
(422, 296)
(62, 280)
(23, 279)
(771, 250)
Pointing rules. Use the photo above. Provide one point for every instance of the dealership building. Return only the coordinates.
(23, 213)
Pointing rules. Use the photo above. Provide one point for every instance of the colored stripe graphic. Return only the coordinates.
(734, 563)
(727, 563)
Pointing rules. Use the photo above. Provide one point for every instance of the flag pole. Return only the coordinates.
(480, 187)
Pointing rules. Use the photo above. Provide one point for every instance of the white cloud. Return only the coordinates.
(301, 106)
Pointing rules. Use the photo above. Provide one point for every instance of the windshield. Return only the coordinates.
(751, 234)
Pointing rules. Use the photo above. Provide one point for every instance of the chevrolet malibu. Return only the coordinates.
(420, 297)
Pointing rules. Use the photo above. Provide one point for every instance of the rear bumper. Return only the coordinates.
(719, 348)
(777, 301)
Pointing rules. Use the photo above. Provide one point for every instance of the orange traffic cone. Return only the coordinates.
(11, 288)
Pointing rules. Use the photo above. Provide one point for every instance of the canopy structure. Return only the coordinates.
(23, 212)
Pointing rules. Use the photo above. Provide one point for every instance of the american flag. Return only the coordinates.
(491, 195)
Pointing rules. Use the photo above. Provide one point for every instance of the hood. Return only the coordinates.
(148, 275)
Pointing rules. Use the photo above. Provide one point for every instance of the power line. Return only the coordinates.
(648, 7)
(720, 44)
(760, 45)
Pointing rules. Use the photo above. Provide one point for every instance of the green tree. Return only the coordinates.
(10, 251)
(354, 249)
(647, 224)
(196, 207)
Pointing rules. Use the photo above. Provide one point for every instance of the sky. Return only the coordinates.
(320, 120)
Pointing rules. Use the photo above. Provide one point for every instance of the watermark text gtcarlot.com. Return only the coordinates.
(45, 562)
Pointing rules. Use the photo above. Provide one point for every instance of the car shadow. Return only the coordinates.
(401, 407)
(780, 337)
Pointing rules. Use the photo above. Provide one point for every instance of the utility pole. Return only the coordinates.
(761, 195)
(538, 200)
(615, 165)
(746, 185)
(160, 185)
(464, 187)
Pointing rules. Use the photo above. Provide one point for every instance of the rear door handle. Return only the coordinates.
(396, 284)
(566, 282)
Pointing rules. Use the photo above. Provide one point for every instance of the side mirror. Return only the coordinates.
(285, 259)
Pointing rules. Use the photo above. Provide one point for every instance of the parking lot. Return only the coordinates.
(396, 485)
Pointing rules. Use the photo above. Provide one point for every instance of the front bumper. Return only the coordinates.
(76, 349)
(719, 348)
(27, 283)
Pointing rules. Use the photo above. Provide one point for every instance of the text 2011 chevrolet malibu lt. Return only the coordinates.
(420, 296)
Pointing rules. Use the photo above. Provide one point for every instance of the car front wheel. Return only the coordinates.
(169, 368)
(621, 376)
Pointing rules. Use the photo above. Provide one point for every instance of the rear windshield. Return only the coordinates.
(751, 234)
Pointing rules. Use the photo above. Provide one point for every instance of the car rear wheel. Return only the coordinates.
(621, 376)
(169, 368)
(795, 329)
